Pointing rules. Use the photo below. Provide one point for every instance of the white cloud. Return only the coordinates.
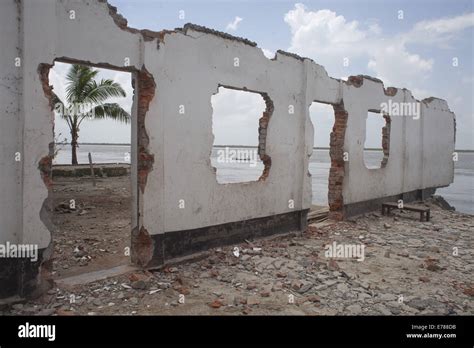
(236, 116)
(234, 24)
(397, 67)
(439, 31)
(328, 38)
(322, 32)
(267, 53)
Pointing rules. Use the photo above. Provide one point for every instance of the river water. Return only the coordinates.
(460, 194)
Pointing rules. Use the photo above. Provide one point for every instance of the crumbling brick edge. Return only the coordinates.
(337, 170)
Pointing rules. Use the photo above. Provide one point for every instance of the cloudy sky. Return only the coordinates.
(425, 46)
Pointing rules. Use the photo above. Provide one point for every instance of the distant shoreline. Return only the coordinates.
(233, 146)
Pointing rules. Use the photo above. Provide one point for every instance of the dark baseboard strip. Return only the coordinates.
(358, 208)
(171, 245)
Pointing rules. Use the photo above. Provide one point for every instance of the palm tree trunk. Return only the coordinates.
(74, 137)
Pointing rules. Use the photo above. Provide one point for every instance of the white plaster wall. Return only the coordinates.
(189, 70)
(438, 143)
(10, 124)
(420, 150)
(49, 33)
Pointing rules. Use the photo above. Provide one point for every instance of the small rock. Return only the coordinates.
(216, 304)
(342, 287)
(382, 309)
(432, 267)
(278, 264)
(253, 300)
(296, 284)
(251, 286)
(354, 309)
(18, 306)
(313, 298)
(305, 288)
(139, 285)
(163, 285)
(469, 291)
(236, 252)
(266, 290)
(388, 297)
(238, 300)
(387, 226)
(332, 265)
(417, 303)
(47, 311)
(65, 312)
(330, 282)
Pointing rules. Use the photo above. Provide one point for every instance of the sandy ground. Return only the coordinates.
(94, 233)
(409, 267)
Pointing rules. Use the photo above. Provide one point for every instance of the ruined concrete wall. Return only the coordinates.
(10, 123)
(10, 142)
(46, 31)
(178, 206)
(420, 146)
(191, 67)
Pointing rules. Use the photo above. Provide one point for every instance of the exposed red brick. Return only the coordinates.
(45, 167)
(145, 85)
(336, 172)
(262, 136)
(390, 91)
(355, 81)
(142, 246)
(386, 140)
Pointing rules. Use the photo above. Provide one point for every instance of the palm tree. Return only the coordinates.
(86, 99)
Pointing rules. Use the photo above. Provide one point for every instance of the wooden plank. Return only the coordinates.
(318, 213)
(92, 169)
(406, 207)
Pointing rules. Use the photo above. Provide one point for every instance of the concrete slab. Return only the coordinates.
(97, 275)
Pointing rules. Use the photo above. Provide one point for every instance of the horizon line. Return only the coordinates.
(242, 146)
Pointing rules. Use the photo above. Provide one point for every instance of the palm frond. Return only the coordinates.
(97, 93)
(79, 77)
(113, 111)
